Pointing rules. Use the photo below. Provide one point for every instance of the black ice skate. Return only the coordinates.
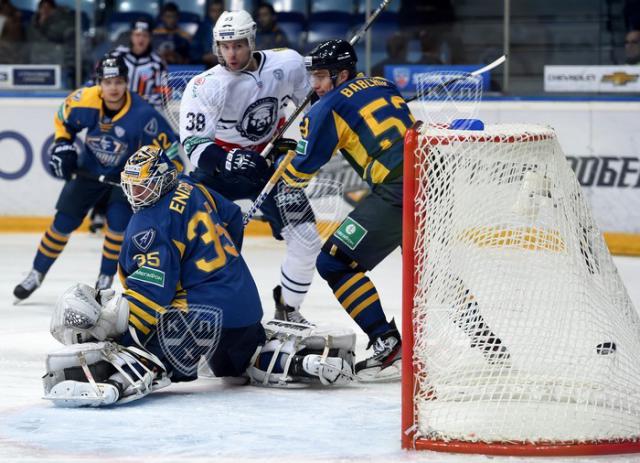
(385, 363)
(286, 312)
(28, 285)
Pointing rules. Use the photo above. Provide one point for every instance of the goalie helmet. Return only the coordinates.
(112, 65)
(333, 55)
(147, 176)
(233, 25)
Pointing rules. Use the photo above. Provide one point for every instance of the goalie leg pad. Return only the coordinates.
(97, 374)
(296, 355)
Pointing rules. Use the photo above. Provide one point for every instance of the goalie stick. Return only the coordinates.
(285, 162)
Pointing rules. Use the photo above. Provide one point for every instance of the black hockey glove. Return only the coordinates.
(281, 147)
(64, 160)
(248, 164)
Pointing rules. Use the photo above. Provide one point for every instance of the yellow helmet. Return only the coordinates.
(147, 176)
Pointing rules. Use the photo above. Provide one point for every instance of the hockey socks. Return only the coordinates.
(110, 252)
(53, 241)
(359, 297)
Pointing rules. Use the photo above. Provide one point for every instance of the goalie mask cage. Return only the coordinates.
(519, 335)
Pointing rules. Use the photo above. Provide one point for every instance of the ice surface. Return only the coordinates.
(205, 420)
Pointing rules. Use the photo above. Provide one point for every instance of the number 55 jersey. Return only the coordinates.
(366, 119)
(185, 251)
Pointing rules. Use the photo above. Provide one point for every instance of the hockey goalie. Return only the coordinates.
(188, 295)
(98, 366)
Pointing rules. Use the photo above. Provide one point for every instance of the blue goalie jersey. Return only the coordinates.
(110, 141)
(184, 251)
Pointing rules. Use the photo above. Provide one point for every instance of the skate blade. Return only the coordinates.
(389, 374)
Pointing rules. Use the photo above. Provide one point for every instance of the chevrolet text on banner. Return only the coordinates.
(603, 79)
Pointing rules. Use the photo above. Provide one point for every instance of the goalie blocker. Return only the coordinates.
(92, 369)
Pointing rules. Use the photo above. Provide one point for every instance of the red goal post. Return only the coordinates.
(476, 376)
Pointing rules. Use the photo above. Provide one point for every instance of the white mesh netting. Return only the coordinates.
(523, 329)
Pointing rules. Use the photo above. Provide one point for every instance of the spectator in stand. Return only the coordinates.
(53, 25)
(11, 33)
(169, 41)
(202, 43)
(632, 47)
(429, 48)
(397, 48)
(269, 33)
(10, 25)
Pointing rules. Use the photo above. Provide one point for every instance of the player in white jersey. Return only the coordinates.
(228, 114)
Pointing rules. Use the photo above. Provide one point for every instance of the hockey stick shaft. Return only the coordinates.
(477, 72)
(95, 178)
(267, 149)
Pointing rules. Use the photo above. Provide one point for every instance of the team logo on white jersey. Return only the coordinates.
(278, 74)
(259, 119)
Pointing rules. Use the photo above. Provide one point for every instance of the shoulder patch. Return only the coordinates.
(152, 127)
(143, 240)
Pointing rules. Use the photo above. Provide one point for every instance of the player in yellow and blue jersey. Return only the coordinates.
(366, 119)
(117, 123)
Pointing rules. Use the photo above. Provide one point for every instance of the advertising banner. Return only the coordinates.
(604, 79)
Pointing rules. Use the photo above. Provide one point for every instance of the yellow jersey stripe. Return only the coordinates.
(145, 300)
(301, 175)
(348, 284)
(141, 313)
(125, 109)
(207, 195)
(363, 305)
(350, 141)
(133, 320)
(181, 247)
(378, 172)
(356, 294)
(294, 182)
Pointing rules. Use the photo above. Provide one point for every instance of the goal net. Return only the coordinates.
(519, 335)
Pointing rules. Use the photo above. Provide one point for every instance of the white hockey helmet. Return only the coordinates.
(233, 25)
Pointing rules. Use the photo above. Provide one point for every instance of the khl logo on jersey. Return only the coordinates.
(259, 119)
(108, 150)
(143, 239)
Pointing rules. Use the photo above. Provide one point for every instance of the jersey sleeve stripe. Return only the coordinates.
(294, 181)
(141, 313)
(137, 324)
(145, 300)
(301, 175)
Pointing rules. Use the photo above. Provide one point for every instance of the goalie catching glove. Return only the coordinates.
(83, 314)
(296, 355)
